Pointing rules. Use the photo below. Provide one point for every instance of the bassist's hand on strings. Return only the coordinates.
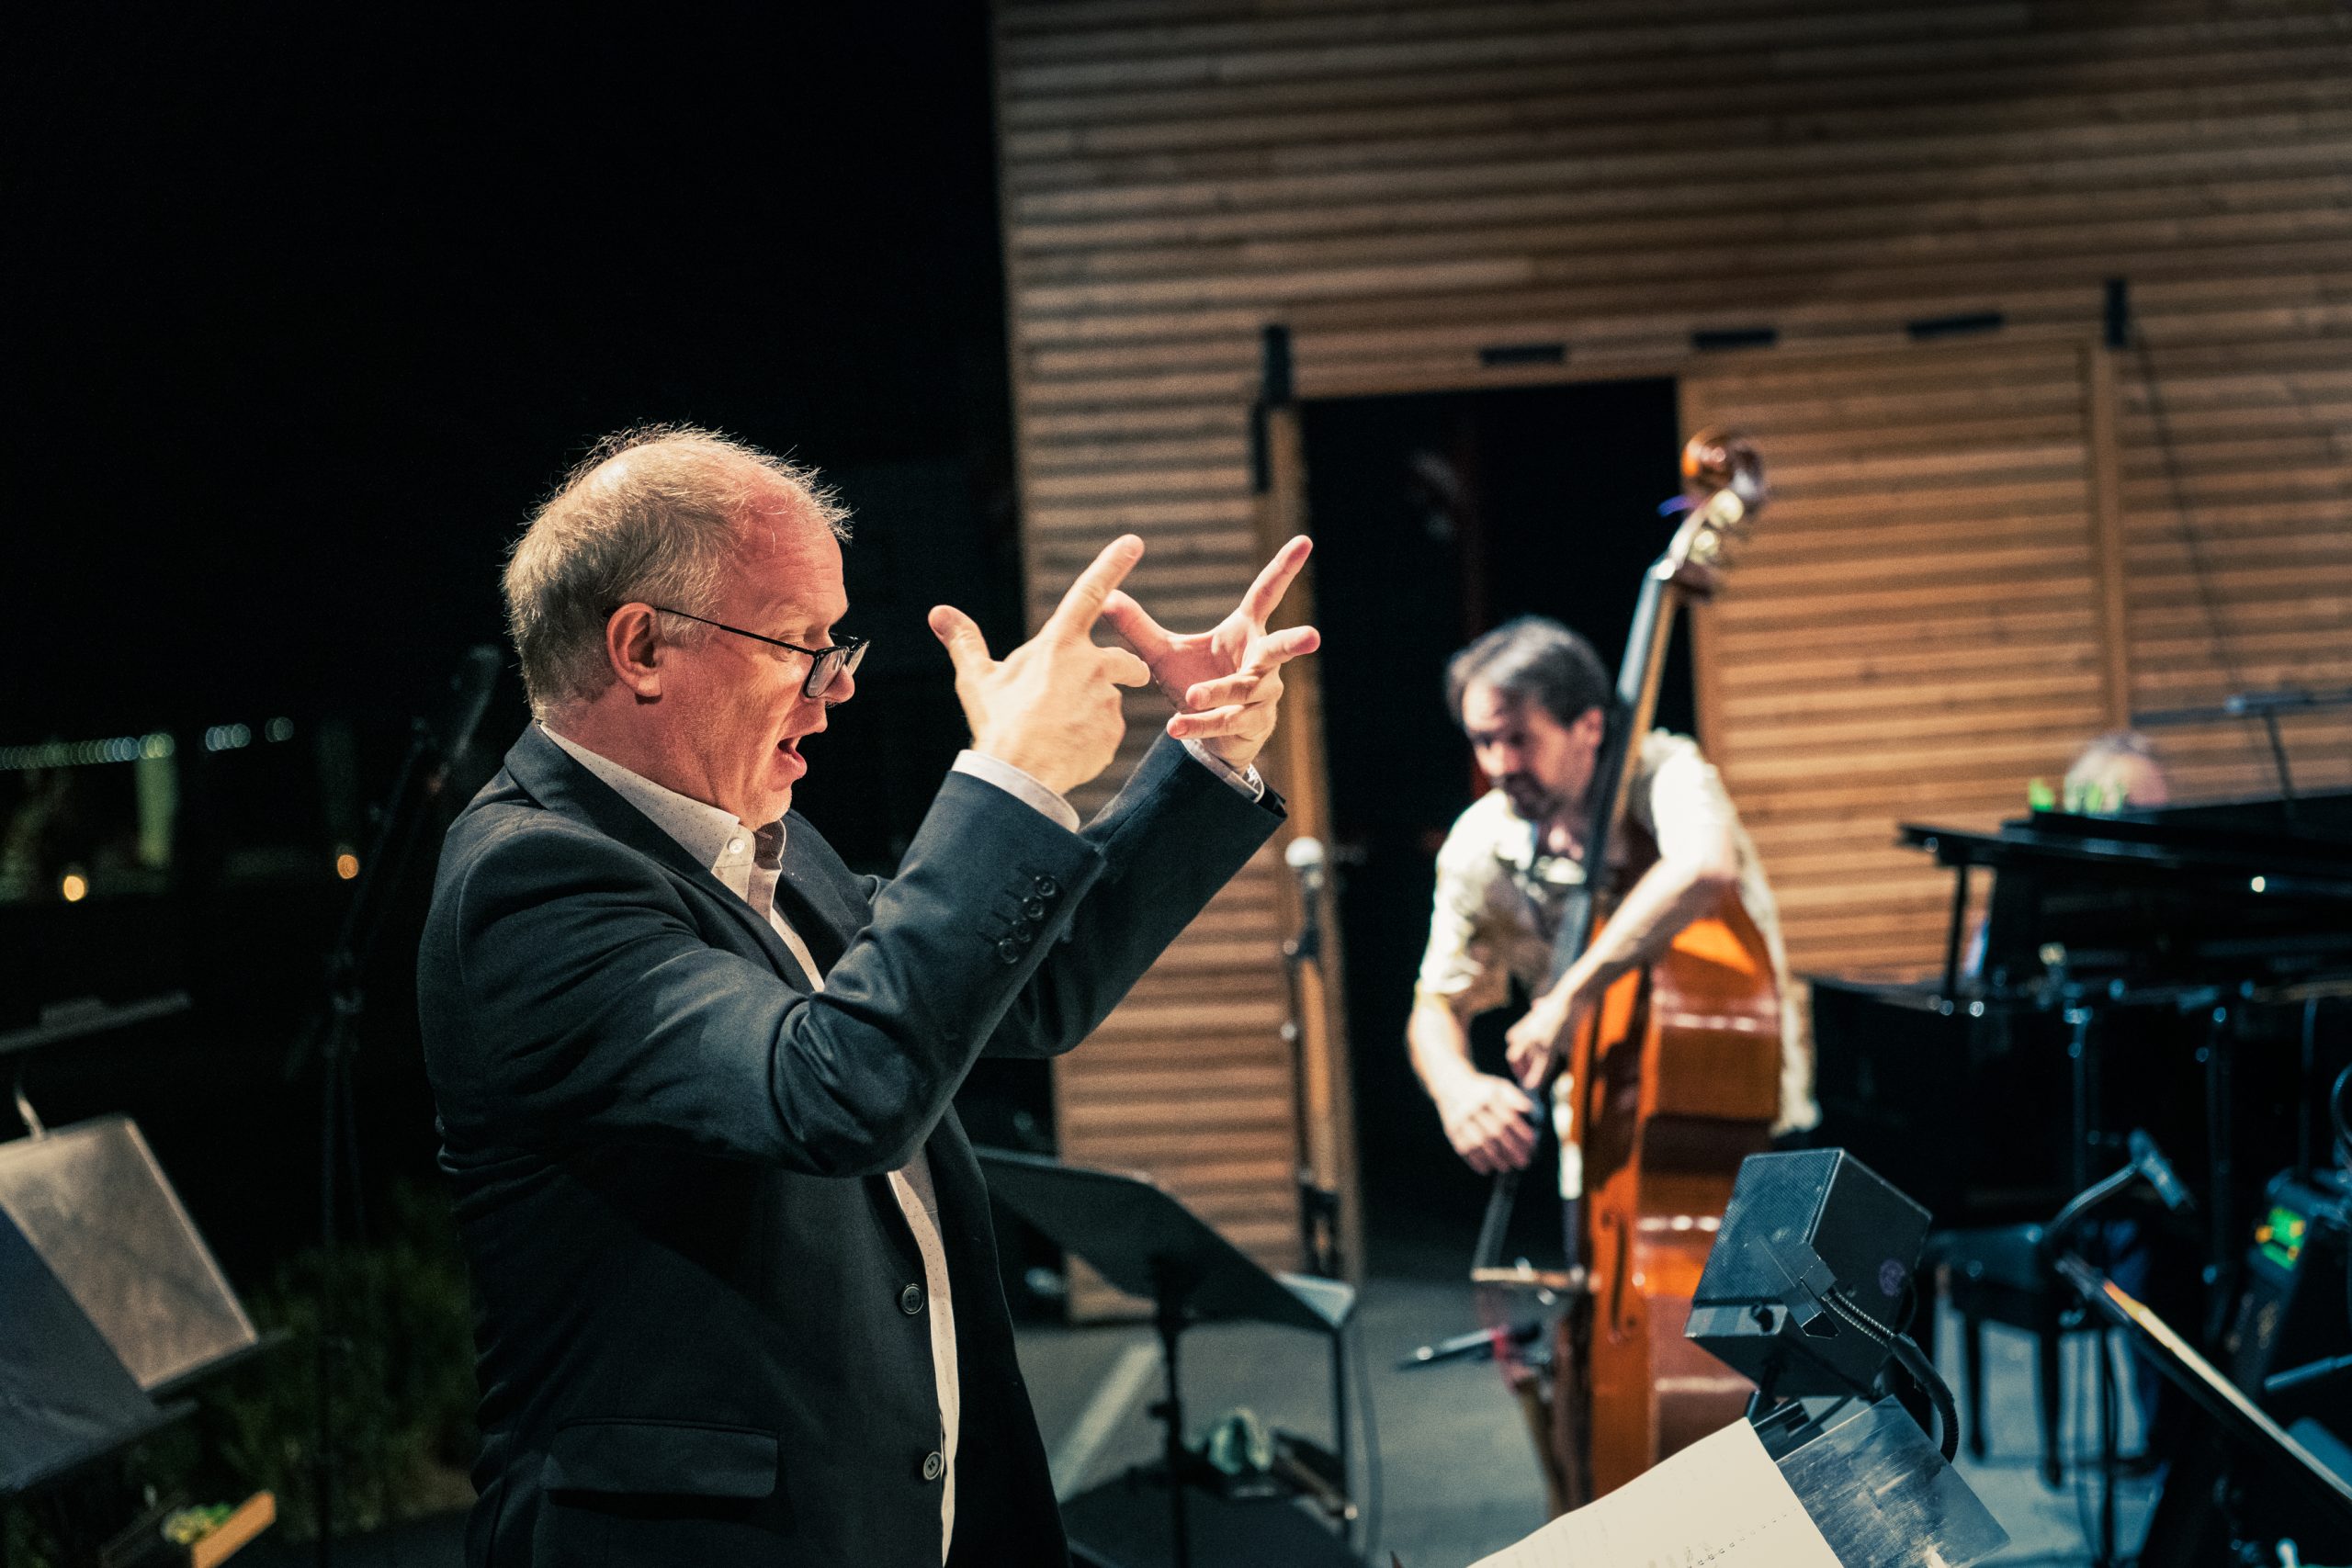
(1489, 1121)
(1543, 1035)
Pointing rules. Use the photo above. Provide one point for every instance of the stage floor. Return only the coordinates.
(1457, 1479)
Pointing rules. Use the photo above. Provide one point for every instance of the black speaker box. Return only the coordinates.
(1800, 1227)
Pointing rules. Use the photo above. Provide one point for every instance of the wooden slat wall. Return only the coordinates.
(1917, 625)
(1406, 182)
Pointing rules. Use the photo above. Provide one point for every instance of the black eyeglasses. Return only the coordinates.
(831, 663)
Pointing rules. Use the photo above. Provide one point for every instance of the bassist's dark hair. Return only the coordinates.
(1532, 657)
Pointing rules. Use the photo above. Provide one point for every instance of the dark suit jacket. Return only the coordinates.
(669, 1161)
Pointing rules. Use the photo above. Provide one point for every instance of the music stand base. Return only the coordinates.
(1124, 1523)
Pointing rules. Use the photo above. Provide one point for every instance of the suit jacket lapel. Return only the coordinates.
(545, 772)
(816, 896)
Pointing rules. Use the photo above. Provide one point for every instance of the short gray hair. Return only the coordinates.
(652, 514)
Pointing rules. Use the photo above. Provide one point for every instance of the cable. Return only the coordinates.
(1369, 1425)
(1903, 1349)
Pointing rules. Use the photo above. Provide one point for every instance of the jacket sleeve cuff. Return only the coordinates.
(1246, 780)
(1020, 785)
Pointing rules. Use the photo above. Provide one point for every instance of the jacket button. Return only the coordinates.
(1033, 908)
(933, 1465)
(911, 1300)
(1047, 887)
(1008, 949)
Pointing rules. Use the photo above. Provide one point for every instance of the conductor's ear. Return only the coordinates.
(633, 648)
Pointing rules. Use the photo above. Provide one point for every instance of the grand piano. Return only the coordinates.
(2184, 969)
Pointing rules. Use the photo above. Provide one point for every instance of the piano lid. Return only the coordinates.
(2234, 893)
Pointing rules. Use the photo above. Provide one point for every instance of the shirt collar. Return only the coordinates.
(713, 835)
(1518, 844)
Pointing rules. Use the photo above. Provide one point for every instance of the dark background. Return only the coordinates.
(1438, 516)
(309, 308)
(309, 312)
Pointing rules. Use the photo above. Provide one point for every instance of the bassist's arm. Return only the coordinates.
(1685, 809)
(1487, 1119)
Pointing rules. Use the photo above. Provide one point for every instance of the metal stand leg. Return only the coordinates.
(2079, 1052)
(1169, 1321)
(2221, 1170)
(2107, 1447)
(1971, 1379)
(2049, 1390)
(1338, 1430)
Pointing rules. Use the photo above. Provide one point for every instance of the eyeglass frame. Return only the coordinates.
(845, 654)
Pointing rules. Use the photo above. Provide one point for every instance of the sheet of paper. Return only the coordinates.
(1721, 1502)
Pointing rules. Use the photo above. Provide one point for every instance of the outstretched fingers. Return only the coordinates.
(1075, 616)
(1135, 625)
(1123, 668)
(1234, 718)
(1249, 685)
(967, 648)
(1275, 579)
(1279, 648)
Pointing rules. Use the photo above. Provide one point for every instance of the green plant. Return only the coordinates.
(402, 1374)
(404, 1401)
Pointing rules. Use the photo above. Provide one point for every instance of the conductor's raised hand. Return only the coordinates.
(1051, 706)
(1225, 682)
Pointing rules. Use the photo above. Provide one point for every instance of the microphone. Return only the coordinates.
(1304, 856)
(2308, 1373)
(2149, 1162)
(469, 693)
(1479, 1344)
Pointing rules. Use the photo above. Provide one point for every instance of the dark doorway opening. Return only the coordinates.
(1436, 517)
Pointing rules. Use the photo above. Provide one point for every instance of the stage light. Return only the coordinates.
(75, 888)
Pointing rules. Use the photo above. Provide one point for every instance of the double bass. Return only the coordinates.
(1667, 1084)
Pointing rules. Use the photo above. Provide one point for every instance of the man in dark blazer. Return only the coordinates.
(737, 1299)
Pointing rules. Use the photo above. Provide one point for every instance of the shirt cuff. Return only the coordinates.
(1245, 780)
(1019, 785)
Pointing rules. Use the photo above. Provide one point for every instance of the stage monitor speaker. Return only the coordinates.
(1811, 1241)
(96, 1207)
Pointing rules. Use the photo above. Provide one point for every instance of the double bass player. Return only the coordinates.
(1532, 698)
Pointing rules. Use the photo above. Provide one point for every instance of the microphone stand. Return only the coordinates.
(333, 1037)
(2147, 1165)
(1318, 1206)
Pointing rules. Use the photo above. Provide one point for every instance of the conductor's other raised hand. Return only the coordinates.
(1051, 706)
(1225, 682)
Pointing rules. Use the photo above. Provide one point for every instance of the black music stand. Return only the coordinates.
(66, 1400)
(1144, 1241)
(112, 1300)
(2241, 1420)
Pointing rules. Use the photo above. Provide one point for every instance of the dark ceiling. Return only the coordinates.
(307, 308)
